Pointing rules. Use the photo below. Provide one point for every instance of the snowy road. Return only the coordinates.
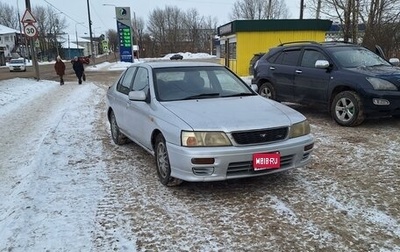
(66, 187)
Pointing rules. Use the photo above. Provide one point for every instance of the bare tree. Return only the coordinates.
(50, 26)
(9, 16)
(379, 20)
(259, 9)
(157, 29)
(171, 30)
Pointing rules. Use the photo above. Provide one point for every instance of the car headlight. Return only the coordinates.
(380, 84)
(299, 129)
(204, 139)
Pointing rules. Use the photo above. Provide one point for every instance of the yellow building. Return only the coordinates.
(241, 39)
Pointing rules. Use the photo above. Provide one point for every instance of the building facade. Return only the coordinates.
(241, 39)
(8, 43)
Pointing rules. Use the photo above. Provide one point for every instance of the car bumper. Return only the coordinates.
(236, 161)
(378, 103)
(17, 69)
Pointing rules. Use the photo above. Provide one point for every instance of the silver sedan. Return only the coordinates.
(203, 123)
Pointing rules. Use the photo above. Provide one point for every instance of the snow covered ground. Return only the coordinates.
(64, 186)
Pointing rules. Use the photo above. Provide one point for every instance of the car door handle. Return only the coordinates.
(271, 68)
(299, 71)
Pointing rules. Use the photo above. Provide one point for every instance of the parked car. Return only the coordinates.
(204, 123)
(350, 81)
(176, 57)
(17, 65)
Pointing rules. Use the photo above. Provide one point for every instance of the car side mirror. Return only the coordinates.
(322, 64)
(394, 61)
(137, 95)
(254, 87)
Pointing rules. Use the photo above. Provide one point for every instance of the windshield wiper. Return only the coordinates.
(204, 95)
(238, 94)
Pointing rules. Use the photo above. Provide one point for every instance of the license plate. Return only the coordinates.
(263, 161)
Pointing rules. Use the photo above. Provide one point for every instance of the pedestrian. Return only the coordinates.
(59, 66)
(78, 69)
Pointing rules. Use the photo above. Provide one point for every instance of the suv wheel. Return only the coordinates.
(267, 90)
(347, 109)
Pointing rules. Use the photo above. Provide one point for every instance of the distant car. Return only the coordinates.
(350, 81)
(17, 65)
(176, 57)
(204, 123)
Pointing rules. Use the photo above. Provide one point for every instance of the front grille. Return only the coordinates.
(260, 136)
(246, 168)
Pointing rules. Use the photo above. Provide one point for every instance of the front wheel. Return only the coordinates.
(162, 163)
(116, 134)
(267, 90)
(347, 109)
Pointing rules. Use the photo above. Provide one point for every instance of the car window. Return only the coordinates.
(310, 57)
(17, 61)
(289, 57)
(141, 81)
(351, 57)
(124, 85)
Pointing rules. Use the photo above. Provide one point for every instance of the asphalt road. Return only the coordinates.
(47, 72)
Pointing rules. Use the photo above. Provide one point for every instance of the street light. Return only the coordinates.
(90, 32)
(76, 36)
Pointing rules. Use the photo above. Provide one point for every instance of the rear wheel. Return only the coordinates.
(347, 109)
(267, 90)
(162, 163)
(116, 134)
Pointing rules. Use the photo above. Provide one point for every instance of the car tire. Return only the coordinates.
(267, 90)
(162, 163)
(347, 109)
(116, 134)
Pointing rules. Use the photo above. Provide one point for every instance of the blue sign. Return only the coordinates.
(125, 42)
(123, 15)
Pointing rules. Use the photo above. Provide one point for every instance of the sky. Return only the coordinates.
(103, 11)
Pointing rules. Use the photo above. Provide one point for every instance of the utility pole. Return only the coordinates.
(318, 9)
(32, 44)
(91, 36)
(301, 9)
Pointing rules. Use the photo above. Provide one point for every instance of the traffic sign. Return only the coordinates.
(28, 17)
(30, 30)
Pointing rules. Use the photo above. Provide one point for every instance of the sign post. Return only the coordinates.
(31, 32)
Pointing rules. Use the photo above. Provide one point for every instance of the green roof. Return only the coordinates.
(274, 25)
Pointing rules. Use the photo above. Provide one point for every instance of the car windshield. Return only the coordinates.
(186, 83)
(17, 61)
(351, 57)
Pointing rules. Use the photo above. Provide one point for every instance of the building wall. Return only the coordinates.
(7, 44)
(249, 43)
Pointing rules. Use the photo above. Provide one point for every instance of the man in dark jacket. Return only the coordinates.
(78, 69)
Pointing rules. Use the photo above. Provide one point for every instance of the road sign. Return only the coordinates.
(28, 17)
(30, 30)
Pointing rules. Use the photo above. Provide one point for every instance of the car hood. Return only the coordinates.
(234, 113)
(377, 71)
(390, 73)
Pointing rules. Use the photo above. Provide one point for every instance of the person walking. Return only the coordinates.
(59, 66)
(78, 69)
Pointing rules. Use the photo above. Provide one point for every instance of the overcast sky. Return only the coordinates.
(103, 17)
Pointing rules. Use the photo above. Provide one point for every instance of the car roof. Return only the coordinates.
(164, 64)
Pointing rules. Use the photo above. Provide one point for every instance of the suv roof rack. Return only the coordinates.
(299, 42)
